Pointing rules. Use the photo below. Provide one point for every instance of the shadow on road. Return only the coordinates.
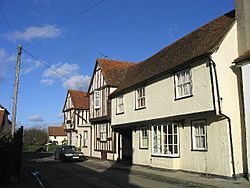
(79, 174)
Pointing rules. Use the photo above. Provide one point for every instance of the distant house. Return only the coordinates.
(57, 135)
(107, 76)
(76, 120)
(5, 123)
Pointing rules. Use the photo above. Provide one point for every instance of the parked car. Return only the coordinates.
(68, 153)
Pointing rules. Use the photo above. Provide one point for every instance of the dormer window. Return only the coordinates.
(97, 99)
(183, 83)
(140, 97)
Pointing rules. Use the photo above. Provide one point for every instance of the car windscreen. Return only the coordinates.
(70, 149)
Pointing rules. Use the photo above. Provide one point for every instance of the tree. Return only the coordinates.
(35, 136)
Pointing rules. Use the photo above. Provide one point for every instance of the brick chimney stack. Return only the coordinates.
(242, 8)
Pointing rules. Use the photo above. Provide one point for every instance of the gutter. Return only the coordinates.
(212, 67)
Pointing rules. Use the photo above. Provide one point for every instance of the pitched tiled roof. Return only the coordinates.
(243, 57)
(113, 71)
(1, 118)
(204, 40)
(80, 99)
(56, 131)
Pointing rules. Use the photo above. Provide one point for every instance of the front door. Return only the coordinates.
(127, 146)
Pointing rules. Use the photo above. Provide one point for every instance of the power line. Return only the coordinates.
(41, 61)
(7, 22)
(72, 18)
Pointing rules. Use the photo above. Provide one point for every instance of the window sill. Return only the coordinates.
(119, 113)
(165, 156)
(140, 108)
(84, 146)
(200, 150)
(144, 148)
(183, 97)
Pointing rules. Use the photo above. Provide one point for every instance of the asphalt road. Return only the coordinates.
(55, 174)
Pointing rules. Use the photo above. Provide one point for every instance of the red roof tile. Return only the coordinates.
(80, 99)
(56, 131)
(243, 57)
(113, 71)
(202, 41)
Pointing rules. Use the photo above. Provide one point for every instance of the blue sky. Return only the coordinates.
(128, 30)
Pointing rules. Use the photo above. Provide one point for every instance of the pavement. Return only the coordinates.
(192, 179)
(182, 178)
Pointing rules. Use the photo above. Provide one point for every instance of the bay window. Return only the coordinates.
(165, 140)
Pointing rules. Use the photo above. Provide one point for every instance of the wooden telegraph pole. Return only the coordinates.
(16, 89)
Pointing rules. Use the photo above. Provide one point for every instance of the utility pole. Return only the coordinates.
(16, 89)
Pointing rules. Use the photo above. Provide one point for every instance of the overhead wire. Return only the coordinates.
(7, 23)
(43, 62)
(40, 60)
(72, 18)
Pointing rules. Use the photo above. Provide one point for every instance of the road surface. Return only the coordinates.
(50, 173)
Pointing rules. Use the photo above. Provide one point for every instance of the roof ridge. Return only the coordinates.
(203, 40)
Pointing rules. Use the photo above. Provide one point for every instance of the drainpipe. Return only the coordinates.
(223, 115)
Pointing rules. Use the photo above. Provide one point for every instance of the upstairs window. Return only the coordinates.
(97, 99)
(183, 83)
(103, 132)
(119, 104)
(199, 135)
(140, 98)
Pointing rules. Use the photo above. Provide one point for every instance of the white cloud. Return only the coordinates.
(68, 74)
(5, 57)
(61, 70)
(35, 32)
(59, 116)
(78, 82)
(6, 60)
(35, 118)
(47, 82)
(30, 65)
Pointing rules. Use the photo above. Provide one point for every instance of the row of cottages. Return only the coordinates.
(181, 108)
(76, 120)
(57, 135)
(5, 123)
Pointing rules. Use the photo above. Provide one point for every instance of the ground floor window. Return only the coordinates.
(144, 138)
(85, 138)
(165, 139)
(199, 135)
(103, 132)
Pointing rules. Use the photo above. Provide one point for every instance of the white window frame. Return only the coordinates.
(158, 143)
(143, 137)
(197, 136)
(183, 83)
(103, 132)
(85, 139)
(97, 99)
(119, 104)
(139, 99)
